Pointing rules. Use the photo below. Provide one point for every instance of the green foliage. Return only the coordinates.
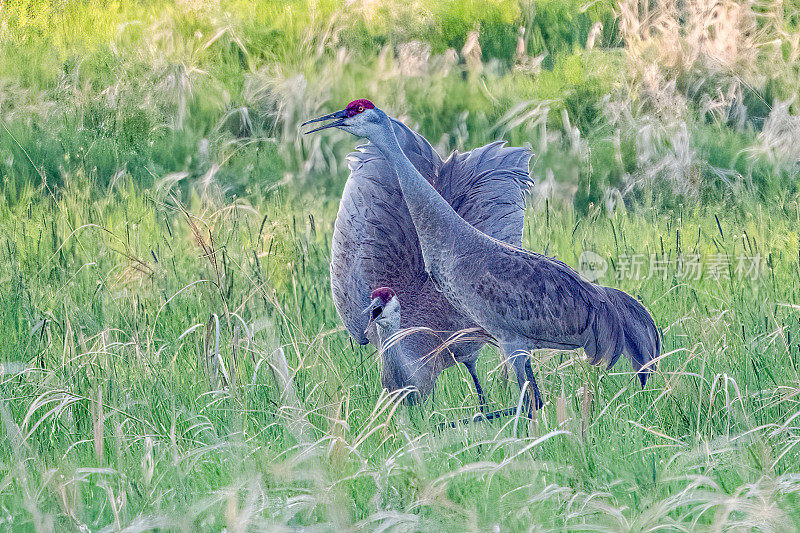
(494, 19)
(562, 26)
(112, 300)
(143, 85)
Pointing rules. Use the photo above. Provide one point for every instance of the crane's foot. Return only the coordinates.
(521, 360)
(538, 403)
(480, 417)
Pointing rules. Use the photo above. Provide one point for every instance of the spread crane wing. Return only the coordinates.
(375, 243)
(374, 240)
(487, 187)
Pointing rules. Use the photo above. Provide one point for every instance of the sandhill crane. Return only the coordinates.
(375, 246)
(524, 300)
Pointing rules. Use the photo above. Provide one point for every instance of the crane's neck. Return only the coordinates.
(436, 222)
(396, 365)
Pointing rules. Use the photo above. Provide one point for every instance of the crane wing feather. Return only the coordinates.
(538, 301)
(540, 297)
(487, 187)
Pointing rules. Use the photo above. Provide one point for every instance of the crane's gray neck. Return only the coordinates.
(396, 365)
(436, 222)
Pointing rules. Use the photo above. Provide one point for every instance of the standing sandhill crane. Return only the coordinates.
(375, 246)
(524, 300)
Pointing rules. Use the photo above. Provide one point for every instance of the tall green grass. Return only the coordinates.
(179, 364)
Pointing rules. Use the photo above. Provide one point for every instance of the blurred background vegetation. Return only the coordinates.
(624, 102)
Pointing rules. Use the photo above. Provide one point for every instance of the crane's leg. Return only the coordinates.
(474, 373)
(520, 360)
(539, 403)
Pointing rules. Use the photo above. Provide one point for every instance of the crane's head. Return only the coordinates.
(398, 372)
(360, 117)
(384, 310)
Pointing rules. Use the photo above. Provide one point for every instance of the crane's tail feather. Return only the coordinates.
(640, 336)
(604, 326)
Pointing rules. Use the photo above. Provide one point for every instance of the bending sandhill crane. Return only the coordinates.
(526, 301)
(375, 246)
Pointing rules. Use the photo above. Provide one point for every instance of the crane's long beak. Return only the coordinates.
(341, 115)
(374, 310)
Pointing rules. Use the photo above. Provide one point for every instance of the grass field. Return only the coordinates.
(170, 357)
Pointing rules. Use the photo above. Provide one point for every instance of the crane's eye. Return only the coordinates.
(377, 312)
(361, 109)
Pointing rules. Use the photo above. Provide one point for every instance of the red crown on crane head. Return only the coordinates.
(358, 106)
(384, 293)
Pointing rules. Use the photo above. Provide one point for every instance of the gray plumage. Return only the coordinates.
(528, 301)
(524, 300)
(375, 244)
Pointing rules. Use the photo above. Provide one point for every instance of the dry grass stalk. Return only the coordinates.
(561, 409)
(98, 425)
(595, 33)
(586, 407)
(234, 372)
(338, 430)
(211, 352)
(148, 462)
(298, 423)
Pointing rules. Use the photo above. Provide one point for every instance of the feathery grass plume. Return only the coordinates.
(777, 139)
(471, 52)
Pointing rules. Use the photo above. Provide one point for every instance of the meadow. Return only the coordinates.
(170, 357)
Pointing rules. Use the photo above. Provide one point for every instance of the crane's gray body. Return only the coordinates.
(375, 242)
(529, 301)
